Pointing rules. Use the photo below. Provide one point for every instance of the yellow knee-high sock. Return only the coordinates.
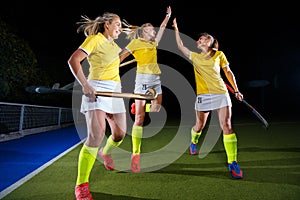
(147, 107)
(230, 144)
(195, 136)
(137, 132)
(86, 160)
(110, 145)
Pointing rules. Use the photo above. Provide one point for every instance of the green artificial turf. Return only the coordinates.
(269, 158)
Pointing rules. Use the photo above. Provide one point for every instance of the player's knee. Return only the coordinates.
(155, 107)
(226, 126)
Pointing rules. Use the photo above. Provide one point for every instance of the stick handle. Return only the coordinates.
(127, 63)
(230, 88)
(126, 95)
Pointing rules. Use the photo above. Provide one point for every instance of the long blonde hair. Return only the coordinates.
(92, 27)
(133, 31)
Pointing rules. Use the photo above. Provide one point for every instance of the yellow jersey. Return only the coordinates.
(145, 54)
(103, 57)
(208, 72)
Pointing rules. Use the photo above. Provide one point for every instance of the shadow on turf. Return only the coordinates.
(98, 195)
(267, 169)
(257, 149)
(188, 169)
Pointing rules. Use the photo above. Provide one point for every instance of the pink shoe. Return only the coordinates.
(135, 163)
(82, 192)
(108, 161)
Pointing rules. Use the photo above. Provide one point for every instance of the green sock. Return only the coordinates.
(195, 136)
(86, 160)
(136, 138)
(230, 144)
(110, 145)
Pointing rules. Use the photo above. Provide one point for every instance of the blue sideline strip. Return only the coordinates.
(23, 156)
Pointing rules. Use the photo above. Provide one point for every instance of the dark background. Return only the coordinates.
(260, 40)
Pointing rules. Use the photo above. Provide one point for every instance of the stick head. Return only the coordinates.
(266, 125)
(152, 92)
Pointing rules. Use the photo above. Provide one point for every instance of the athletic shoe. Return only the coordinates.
(193, 149)
(82, 192)
(235, 170)
(132, 109)
(108, 161)
(135, 163)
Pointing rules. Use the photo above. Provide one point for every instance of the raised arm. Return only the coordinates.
(180, 45)
(163, 25)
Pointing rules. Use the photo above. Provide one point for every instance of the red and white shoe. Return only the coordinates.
(135, 163)
(82, 192)
(108, 161)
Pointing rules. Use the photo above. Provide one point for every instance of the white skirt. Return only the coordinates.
(145, 81)
(207, 102)
(107, 104)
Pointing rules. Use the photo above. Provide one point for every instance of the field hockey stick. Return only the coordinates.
(150, 95)
(127, 63)
(46, 90)
(254, 111)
